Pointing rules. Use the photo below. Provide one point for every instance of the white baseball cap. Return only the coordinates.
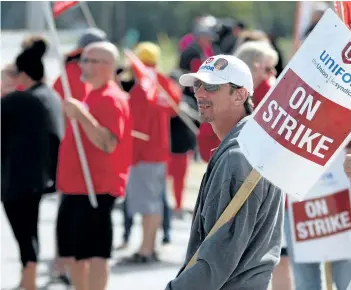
(221, 69)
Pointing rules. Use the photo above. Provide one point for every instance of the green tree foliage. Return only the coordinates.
(152, 17)
(177, 18)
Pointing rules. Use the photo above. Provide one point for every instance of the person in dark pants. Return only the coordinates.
(32, 126)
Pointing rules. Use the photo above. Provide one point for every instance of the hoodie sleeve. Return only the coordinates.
(242, 250)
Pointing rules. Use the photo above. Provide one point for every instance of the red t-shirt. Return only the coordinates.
(207, 140)
(109, 171)
(78, 88)
(262, 90)
(152, 118)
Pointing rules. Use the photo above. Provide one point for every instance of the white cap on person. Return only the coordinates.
(221, 69)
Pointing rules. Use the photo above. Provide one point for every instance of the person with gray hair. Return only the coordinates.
(79, 91)
(85, 233)
(261, 58)
(78, 88)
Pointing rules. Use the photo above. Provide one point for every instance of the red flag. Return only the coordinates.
(343, 8)
(60, 7)
(171, 88)
(146, 77)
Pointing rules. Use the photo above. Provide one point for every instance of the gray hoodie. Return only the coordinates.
(243, 253)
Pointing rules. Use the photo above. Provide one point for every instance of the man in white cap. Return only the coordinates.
(243, 252)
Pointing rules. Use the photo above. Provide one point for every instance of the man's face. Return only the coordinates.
(212, 100)
(264, 70)
(95, 65)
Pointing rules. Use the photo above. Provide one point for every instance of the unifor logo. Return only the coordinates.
(346, 53)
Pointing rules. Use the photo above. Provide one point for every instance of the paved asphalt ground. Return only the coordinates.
(122, 277)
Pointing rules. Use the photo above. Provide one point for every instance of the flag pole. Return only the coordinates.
(87, 14)
(67, 94)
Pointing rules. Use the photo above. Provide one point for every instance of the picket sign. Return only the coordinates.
(303, 122)
(323, 219)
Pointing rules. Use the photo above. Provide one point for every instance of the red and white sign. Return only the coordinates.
(305, 119)
(322, 217)
(321, 224)
(295, 116)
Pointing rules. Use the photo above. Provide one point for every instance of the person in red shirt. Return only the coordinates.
(147, 179)
(85, 233)
(79, 91)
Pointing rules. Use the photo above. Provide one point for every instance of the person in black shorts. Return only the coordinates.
(90, 228)
(84, 233)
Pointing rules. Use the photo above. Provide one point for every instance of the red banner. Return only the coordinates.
(321, 217)
(60, 7)
(305, 123)
(343, 8)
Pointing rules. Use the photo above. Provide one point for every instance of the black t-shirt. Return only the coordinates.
(32, 127)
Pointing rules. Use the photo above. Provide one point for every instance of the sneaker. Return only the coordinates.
(140, 259)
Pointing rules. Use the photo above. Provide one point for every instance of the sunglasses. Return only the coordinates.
(210, 88)
(85, 60)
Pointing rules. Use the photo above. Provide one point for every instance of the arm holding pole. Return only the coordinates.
(67, 93)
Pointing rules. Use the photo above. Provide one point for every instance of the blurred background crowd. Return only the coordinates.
(175, 37)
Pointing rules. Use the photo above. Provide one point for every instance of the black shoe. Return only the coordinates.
(64, 279)
(140, 259)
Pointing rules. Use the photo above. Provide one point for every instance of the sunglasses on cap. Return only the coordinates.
(210, 88)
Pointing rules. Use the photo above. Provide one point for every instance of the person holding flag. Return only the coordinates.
(79, 90)
(151, 115)
(85, 233)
